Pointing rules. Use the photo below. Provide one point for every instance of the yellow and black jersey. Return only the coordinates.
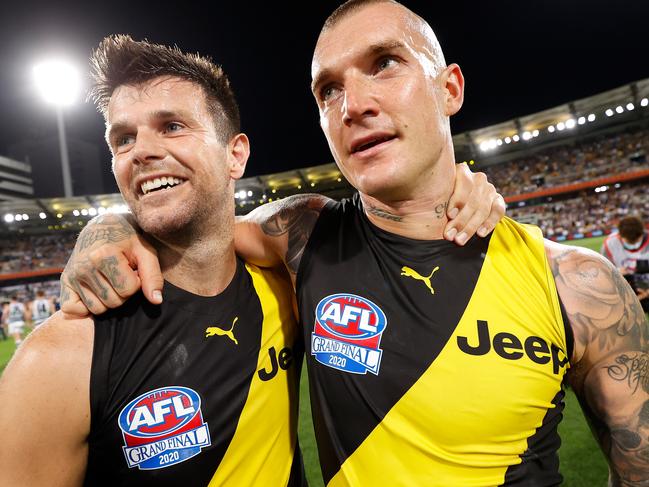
(432, 364)
(199, 390)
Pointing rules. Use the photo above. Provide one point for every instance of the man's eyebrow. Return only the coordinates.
(119, 127)
(372, 50)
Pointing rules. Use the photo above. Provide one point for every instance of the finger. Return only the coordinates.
(117, 271)
(468, 221)
(71, 304)
(497, 212)
(92, 302)
(102, 289)
(148, 269)
(463, 186)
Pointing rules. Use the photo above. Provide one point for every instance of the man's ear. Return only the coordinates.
(453, 83)
(238, 153)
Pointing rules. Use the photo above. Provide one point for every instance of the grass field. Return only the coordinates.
(582, 464)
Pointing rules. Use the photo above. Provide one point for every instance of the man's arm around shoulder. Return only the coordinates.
(610, 362)
(45, 412)
(278, 232)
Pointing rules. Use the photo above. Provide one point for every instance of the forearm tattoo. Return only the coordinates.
(612, 377)
(296, 219)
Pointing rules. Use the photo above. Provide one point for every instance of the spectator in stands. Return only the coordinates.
(628, 250)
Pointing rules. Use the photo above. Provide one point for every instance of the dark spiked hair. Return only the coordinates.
(120, 60)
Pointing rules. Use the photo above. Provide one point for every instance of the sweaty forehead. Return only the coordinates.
(376, 24)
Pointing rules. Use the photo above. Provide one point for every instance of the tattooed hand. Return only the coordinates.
(610, 363)
(109, 263)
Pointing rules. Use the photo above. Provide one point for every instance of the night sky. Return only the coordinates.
(518, 57)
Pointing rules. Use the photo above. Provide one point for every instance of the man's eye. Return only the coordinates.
(123, 140)
(173, 127)
(328, 92)
(385, 63)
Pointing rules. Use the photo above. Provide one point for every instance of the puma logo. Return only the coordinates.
(409, 272)
(215, 330)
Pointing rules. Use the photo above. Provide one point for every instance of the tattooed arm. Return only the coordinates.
(278, 232)
(109, 263)
(610, 362)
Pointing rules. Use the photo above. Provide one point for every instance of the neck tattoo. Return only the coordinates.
(384, 214)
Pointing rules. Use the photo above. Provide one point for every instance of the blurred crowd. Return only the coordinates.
(33, 253)
(574, 163)
(586, 213)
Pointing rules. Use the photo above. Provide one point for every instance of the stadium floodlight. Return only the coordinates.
(101, 210)
(570, 124)
(92, 211)
(484, 146)
(508, 140)
(493, 144)
(581, 120)
(630, 106)
(591, 117)
(527, 135)
(535, 133)
(9, 218)
(644, 102)
(75, 212)
(551, 129)
(609, 112)
(42, 215)
(59, 83)
(561, 126)
(516, 138)
(249, 193)
(499, 142)
(18, 217)
(25, 217)
(84, 212)
(619, 109)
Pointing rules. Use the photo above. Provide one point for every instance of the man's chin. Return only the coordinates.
(161, 226)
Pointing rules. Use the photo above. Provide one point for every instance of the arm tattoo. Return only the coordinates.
(632, 369)
(296, 220)
(105, 229)
(601, 306)
(611, 378)
(383, 214)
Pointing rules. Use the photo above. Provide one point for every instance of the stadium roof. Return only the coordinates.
(625, 105)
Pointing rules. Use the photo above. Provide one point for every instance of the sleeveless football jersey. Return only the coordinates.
(199, 390)
(16, 313)
(432, 364)
(41, 310)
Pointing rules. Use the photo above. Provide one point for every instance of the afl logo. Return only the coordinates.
(163, 427)
(347, 333)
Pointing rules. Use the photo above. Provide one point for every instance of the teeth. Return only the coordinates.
(156, 183)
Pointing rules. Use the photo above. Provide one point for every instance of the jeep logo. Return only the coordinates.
(509, 347)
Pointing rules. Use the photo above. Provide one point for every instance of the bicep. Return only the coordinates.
(45, 413)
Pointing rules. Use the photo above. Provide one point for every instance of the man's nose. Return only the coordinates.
(360, 101)
(148, 147)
